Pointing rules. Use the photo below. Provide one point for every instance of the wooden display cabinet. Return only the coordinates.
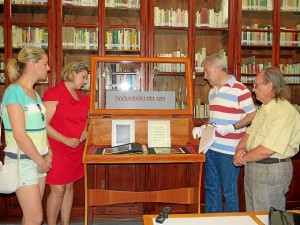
(132, 185)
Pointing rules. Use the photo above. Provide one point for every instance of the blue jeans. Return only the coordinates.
(220, 177)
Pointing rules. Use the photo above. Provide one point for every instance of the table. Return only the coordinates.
(239, 218)
(98, 197)
(211, 219)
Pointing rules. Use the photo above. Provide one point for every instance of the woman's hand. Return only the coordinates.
(48, 157)
(83, 136)
(44, 166)
(72, 142)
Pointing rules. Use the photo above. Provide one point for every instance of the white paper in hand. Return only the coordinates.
(207, 138)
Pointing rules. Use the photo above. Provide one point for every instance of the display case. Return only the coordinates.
(131, 185)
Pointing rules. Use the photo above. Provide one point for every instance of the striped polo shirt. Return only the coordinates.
(35, 124)
(228, 105)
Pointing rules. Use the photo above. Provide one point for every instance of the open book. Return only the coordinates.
(130, 148)
(168, 150)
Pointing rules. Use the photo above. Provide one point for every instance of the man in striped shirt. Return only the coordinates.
(231, 110)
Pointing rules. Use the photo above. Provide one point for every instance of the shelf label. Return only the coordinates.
(140, 100)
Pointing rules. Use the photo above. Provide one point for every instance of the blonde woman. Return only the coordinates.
(25, 129)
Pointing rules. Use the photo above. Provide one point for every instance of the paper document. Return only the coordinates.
(207, 138)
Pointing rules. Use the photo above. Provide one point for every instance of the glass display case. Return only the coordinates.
(140, 84)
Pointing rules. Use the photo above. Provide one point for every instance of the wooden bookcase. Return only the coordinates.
(98, 20)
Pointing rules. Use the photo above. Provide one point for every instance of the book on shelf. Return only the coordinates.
(129, 148)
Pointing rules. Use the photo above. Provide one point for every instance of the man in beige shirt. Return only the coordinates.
(270, 141)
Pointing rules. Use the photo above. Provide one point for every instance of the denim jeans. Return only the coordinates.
(220, 177)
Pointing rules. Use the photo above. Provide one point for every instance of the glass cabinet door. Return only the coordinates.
(123, 27)
(212, 36)
(289, 52)
(170, 30)
(29, 24)
(78, 31)
(257, 35)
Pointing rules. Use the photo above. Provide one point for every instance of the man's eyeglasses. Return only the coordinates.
(257, 84)
(42, 114)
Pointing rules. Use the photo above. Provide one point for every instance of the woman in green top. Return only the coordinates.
(25, 129)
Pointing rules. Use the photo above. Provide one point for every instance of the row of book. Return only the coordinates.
(122, 39)
(80, 2)
(210, 18)
(29, 1)
(285, 5)
(288, 79)
(1, 37)
(201, 55)
(290, 68)
(123, 3)
(253, 68)
(257, 5)
(36, 36)
(170, 17)
(200, 110)
(2, 65)
(170, 67)
(290, 5)
(79, 38)
(257, 38)
(290, 38)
